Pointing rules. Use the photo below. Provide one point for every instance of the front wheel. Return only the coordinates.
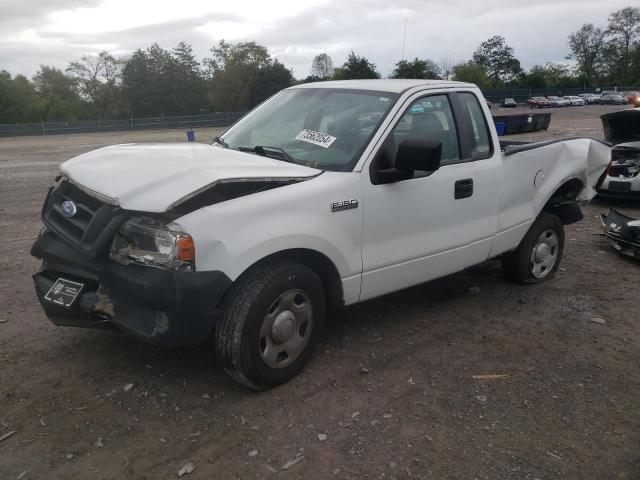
(271, 324)
(538, 256)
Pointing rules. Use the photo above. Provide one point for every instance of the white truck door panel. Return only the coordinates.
(413, 230)
(417, 230)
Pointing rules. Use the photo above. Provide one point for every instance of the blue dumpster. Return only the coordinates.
(500, 128)
(191, 136)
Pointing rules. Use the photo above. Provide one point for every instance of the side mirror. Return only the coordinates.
(413, 154)
(419, 154)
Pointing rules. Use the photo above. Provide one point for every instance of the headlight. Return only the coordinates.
(147, 241)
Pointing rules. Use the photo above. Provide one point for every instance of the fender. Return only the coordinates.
(233, 235)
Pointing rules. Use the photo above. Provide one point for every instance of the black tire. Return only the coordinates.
(519, 266)
(238, 337)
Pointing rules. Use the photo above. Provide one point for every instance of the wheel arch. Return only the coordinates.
(316, 261)
(562, 202)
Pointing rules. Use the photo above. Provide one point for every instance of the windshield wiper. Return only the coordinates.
(265, 151)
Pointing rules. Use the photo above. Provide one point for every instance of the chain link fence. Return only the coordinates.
(218, 119)
(224, 119)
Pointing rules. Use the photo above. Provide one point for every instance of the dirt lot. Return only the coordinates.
(392, 385)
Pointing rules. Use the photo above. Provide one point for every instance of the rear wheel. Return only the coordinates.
(538, 256)
(271, 324)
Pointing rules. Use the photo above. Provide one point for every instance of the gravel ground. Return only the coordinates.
(393, 391)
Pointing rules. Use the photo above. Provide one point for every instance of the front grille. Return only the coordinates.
(93, 225)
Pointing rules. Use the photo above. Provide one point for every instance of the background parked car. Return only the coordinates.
(633, 97)
(558, 101)
(508, 103)
(612, 99)
(538, 102)
(590, 98)
(575, 100)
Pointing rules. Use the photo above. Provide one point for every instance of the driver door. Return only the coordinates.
(416, 230)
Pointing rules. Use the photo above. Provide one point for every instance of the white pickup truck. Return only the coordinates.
(325, 195)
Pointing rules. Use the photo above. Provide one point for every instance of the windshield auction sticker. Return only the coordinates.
(323, 140)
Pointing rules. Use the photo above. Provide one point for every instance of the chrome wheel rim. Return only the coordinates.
(544, 254)
(286, 329)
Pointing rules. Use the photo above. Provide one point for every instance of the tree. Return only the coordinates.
(189, 83)
(57, 94)
(623, 30)
(18, 99)
(356, 68)
(156, 81)
(269, 80)
(586, 48)
(416, 68)
(97, 77)
(322, 67)
(472, 72)
(498, 60)
(244, 74)
(549, 75)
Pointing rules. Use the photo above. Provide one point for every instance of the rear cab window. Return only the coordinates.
(479, 135)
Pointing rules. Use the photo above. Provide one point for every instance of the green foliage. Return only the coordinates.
(606, 57)
(416, 68)
(57, 94)
(622, 31)
(18, 101)
(243, 75)
(586, 48)
(161, 82)
(550, 75)
(472, 72)
(356, 68)
(498, 60)
(634, 65)
(97, 77)
(238, 76)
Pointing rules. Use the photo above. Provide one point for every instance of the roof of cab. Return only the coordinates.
(388, 85)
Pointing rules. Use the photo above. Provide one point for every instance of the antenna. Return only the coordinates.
(404, 38)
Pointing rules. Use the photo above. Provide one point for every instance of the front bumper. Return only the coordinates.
(154, 304)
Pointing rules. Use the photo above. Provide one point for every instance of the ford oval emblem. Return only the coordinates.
(69, 208)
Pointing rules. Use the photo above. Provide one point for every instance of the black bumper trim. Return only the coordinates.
(154, 304)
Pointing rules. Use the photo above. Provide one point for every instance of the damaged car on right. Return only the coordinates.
(621, 179)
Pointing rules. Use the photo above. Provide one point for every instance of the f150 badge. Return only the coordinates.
(344, 205)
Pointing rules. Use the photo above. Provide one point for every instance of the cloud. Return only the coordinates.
(56, 31)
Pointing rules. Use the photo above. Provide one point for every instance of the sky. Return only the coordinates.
(53, 32)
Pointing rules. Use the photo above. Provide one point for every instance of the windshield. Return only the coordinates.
(325, 128)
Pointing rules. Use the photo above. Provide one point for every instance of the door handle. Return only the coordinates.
(463, 188)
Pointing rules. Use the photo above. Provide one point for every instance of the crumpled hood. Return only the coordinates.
(152, 177)
(622, 126)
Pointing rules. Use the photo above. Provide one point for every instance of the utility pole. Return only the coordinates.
(404, 38)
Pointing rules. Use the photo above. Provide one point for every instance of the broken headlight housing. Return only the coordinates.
(147, 241)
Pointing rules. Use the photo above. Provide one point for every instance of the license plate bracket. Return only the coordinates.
(64, 292)
(620, 186)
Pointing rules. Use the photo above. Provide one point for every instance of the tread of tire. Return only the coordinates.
(228, 337)
(511, 267)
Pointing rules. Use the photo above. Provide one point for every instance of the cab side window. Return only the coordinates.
(430, 117)
(480, 138)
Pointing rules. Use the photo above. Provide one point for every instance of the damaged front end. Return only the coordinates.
(107, 268)
(623, 231)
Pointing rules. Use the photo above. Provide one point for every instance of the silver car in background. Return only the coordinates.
(590, 98)
(612, 99)
(575, 101)
(558, 101)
